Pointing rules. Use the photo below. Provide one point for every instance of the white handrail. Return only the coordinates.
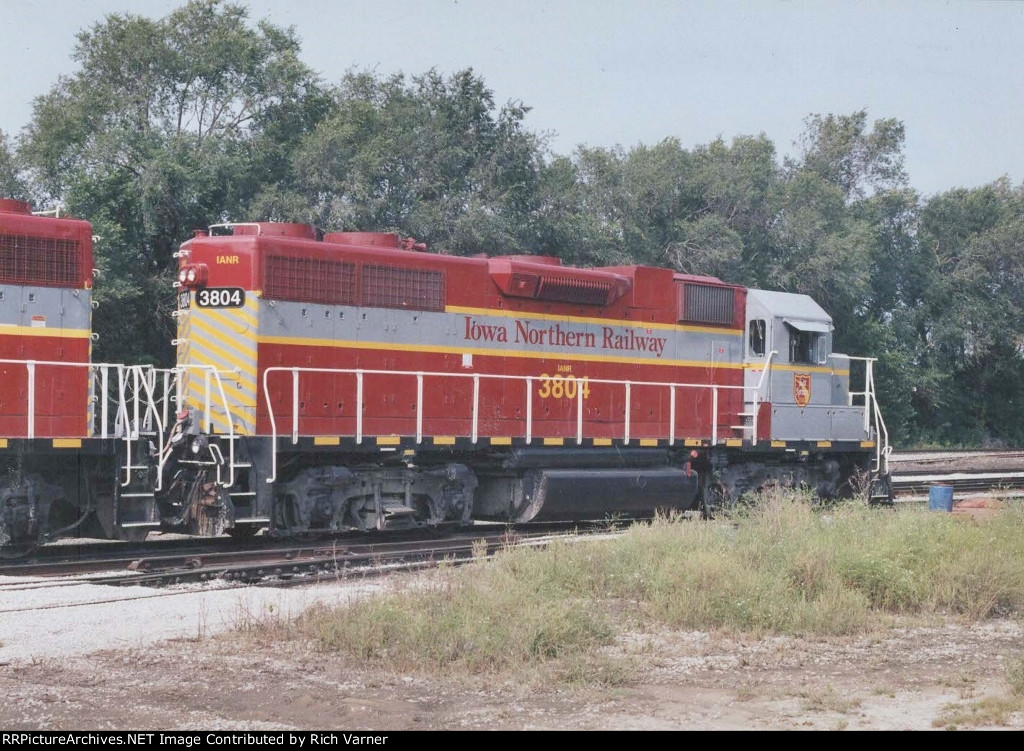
(232, 225)
(361, 373)
(211, 373)
(101, 367)
(872, 412)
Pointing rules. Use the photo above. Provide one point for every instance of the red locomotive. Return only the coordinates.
(355, 380)
(45, 317)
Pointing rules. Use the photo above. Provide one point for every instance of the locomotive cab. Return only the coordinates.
(804, 392)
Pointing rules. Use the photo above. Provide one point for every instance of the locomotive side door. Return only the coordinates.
(757, 355)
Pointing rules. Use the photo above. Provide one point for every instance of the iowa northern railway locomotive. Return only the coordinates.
(356, 381)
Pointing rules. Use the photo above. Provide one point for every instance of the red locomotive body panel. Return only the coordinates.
(476, 329)
(45, 316)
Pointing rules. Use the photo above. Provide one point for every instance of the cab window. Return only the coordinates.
(804, 346)
(756, 338)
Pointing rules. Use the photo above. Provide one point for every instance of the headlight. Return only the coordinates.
(190, 277)
(181, 276)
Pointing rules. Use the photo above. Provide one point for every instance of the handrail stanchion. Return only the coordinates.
(136, 389)
(295, 406)
(30, 366)
(579, 416)
(104, 401)
(359, 407)
(476, 406)
(671, 414)
(419, 408)
(167, 396)
(529, 409)
(714, 415)
(625, 439)
(207, 419)
(273, 430)
(868, 389)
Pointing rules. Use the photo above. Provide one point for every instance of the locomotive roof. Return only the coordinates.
(789, 305)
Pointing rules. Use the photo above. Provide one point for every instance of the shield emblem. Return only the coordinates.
(802, 388)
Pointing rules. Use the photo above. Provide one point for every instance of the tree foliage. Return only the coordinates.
(166, 126)
(11, 183)
(430, 156)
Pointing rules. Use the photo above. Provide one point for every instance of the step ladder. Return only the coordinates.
(747, 429)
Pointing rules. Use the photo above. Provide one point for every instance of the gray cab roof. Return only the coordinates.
(799, 311)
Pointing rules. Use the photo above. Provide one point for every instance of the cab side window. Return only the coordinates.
(756, 338)
(804, 346)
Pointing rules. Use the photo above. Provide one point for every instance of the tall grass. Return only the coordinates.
(781, 567)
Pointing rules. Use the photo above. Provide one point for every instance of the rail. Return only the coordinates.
(476, 378)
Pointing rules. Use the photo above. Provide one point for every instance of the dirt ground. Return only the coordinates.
(907, 679)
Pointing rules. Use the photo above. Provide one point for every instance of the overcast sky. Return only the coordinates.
(607, 72)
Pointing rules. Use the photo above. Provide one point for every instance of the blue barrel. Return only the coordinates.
(940, 498)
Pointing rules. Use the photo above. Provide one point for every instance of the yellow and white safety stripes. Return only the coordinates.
(224, 339)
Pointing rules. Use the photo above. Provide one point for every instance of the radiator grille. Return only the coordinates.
(703, 303)
(397, 287)
(40, 260)
(309, 280)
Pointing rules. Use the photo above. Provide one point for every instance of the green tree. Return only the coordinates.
(12, 185)
(166, 125)
(972, 310)
(841, 151)
(431, 157)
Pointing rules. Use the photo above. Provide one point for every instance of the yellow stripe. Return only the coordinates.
(237, 400)
(388, 440)
(733, 442)
(67, 443)
(501, 441)
(602, 441)
(693, 442)
(824, 444)
(778, 444)
(554, 441)
(327, 440)
(393, 347)
(243, 361)
(223, 361)
(582, 319)
(243, 344)
(6, 330)
(867, 444)
(798, 368)
(648, 441)
(444, 440)
(232, 317)
(3, 443)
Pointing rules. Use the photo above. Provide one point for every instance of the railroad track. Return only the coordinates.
(280, 561)
(962, 482)
(978, 471)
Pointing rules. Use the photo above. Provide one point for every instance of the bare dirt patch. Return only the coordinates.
(904, 679)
